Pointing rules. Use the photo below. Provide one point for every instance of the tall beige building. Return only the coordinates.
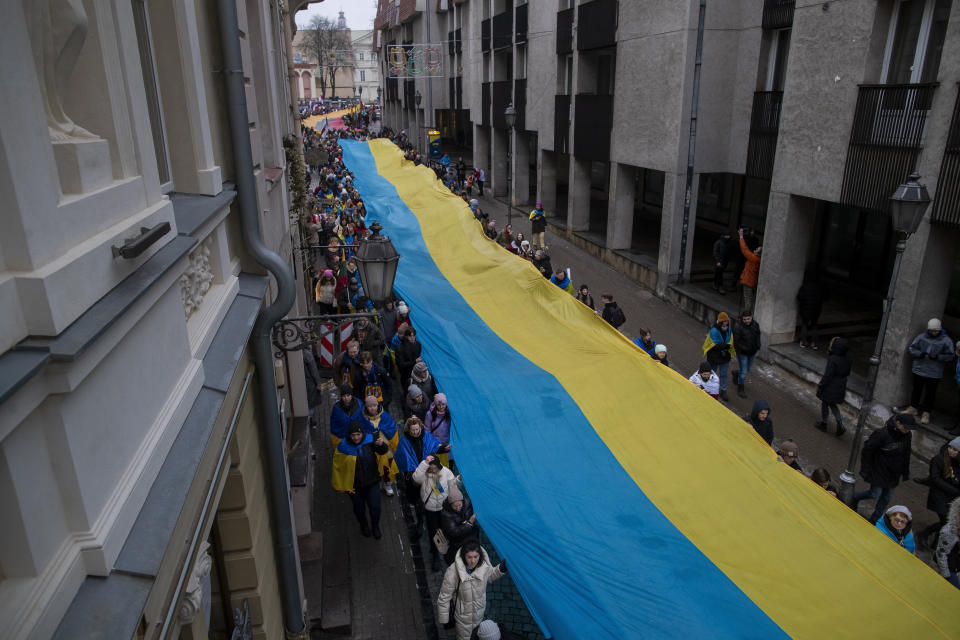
(140, 490)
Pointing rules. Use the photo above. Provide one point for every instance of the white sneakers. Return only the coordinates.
(388, 487)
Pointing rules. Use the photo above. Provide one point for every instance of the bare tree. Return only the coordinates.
(328, 45)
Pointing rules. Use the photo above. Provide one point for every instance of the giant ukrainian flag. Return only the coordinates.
(628, 503)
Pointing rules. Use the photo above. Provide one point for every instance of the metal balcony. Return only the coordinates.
(593, 121)
(503, 30)
(520, 103)
(485, 35)
(565, 31)
(485, 104)
(887, 136)
(501, 97)
(946, 203)
(561, 124)
(778, 14)
(764, 126)
(520, 24)
(597, 25)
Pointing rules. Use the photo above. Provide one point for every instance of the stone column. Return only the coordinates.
(481, 149)
(788, 234)
(521, 168)
(922, 288)
(547, 181)
(620, 208)
(671, 228)
(578, 207)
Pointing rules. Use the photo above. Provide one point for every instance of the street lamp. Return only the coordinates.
(377, 263)
(907, 205)
(416, 117)
(511, 117)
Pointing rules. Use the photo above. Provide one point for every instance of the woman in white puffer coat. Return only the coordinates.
(465, 583)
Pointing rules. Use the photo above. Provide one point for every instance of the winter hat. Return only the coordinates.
(403, 308)
(355, 427)
(414, 391)
(328, 273)
(899, 508)
(539, 205)
(346, 390)
(907, 420)
(934, 324)
(723, 317)
(705, 367)
(453, 493)
(420, 370)
(660, 348)
(440, 397)
(488, 630)
(525, 244)
(789, 447)
(955, 443)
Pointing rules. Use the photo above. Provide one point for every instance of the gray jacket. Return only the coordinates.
(930, 354)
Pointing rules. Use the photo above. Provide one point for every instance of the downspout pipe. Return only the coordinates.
(287, 570)
(692, 143)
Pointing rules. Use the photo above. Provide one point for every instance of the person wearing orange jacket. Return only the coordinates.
(751, 272)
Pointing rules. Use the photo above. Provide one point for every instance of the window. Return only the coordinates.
(777, 60)
(361, 55)
(148, 68)
(915, 41)
(363, 75)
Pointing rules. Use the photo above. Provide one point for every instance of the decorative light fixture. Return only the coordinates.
(377, 263)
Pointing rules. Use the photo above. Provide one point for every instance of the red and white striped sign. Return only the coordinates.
(327, 336)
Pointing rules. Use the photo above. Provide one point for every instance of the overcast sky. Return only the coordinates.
(359, 13)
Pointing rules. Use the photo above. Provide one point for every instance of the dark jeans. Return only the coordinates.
(433, 523)
(927, 389)
(367, 497)
(881, 494)
(834, 409)
(746, 363)
(718, 276)
(808, 331)
(480, 187)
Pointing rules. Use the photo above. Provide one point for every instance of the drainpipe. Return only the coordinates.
(287, 570)
(688, 192)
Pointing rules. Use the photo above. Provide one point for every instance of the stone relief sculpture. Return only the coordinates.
(57, 29)
(197, 591)
(197, 279)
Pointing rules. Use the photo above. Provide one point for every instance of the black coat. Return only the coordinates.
(810, 300)
(366, 472)
(454, 523)
(746, 338)
(764, 428)
(543, 266)
(886, 456)
(407, 354)
(942, 490)
(832, 387)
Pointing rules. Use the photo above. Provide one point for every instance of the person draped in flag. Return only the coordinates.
(376, 420)
(346, 364)
(344, 412)
(356, 472)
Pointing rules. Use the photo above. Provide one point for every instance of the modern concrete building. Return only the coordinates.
(650, 129)
(139, 485)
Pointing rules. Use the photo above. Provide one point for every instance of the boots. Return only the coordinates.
(724, 396)
(925, 418)
(820, 424)
(740, 391)
(376, 532)
(364, 528)
(840, 429)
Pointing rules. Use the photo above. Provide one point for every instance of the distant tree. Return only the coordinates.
(329, 46)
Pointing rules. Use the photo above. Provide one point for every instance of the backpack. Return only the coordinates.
(616, 317)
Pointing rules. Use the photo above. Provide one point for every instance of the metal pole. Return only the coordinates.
(848, 479)
(688, 192)
(429, 39)
(510, 181)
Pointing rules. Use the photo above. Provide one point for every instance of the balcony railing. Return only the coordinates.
(764, 125)
(778, 14)
(503, 30)
(565, 31)
(561, 124)
(593, 121)
(485, 35)
(597, 25)
(485, 104)
(520, 24)
(520, 103)
(501, 98)
(887, 135)
(946, 204)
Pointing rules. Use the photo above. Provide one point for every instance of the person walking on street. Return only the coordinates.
(721, 258)
(746, 340)
(948, 546)
(719, 350)
(707, 380)
(897, 524)
(944, 482)
(538, 225)
(583, 295)
(458, 521)
(355, 471)
(750, 275)
(884, 460)
(612, 313)
(832, 388)
(930, 350)
(479, 176)
(760, 420)
(432, 481)
(809, 306)
(562, 279)
(465, 585)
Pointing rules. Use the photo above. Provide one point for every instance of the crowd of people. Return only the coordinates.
(382, 439)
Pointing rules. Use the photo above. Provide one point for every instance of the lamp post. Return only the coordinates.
(416, 117)
(907, 205)
(511, 117)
